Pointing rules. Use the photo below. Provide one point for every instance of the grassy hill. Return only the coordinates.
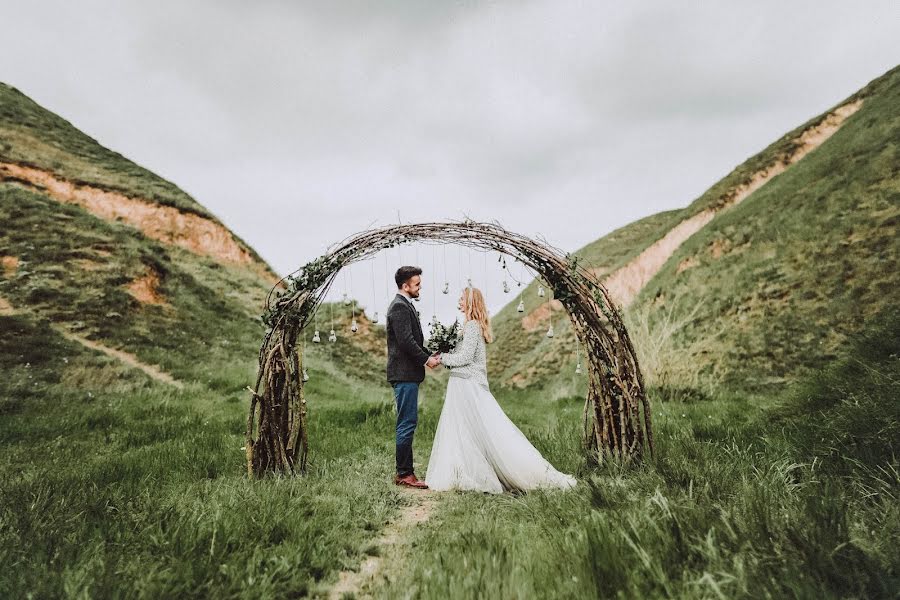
(769, 288)
(129, 326)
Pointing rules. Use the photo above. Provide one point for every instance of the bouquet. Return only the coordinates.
(442, 338)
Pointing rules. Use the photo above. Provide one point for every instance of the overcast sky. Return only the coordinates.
(300, 123)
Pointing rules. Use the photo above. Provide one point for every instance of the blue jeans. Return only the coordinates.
(406, 393)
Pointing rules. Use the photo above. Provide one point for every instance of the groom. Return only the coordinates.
(407, 359)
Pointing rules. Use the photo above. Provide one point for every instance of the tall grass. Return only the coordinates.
(138, 490)
(117, 486)
(676, 371)
(743, 500)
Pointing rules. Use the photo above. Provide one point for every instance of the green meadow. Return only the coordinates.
(140, 491)
(770, 342)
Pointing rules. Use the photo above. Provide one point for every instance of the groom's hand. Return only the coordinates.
(433, 361)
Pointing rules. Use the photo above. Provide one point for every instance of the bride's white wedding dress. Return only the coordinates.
(476, 446)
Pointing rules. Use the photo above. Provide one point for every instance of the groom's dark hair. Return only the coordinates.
(404, 274)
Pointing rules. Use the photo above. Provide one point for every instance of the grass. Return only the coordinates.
(775, 285)
(32, 135)
(809, 259)
(747, 497)
(127, 488)
(114, 485)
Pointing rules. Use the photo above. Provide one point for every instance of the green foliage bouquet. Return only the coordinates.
(442, 338)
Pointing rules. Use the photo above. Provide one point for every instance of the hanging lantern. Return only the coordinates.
(505, 287)
(332, 337)
(375, 317)
(470, 281)
(540, 291)
(550, 332)
(316, 337)
(434, 319)
(521, 307)
(446, 287)
(305, 375)
(354, 327)
(346, 299)
(578, 368)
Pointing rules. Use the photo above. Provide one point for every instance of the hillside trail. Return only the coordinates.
(7, 309)
(625, 283)
(392, 548)
(129, 359)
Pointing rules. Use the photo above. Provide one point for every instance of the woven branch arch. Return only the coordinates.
(617, 411)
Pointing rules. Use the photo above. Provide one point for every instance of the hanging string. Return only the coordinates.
(459, 267)
(332, 337)
(354, 326)
(521, 306)
(374, 292)
(387, 291)
(434, 288)
(550, 331)
(446, 281)
(316, 337)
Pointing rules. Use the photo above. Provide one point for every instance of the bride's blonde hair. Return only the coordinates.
(474, 309)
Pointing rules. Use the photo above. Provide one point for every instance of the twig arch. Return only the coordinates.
(617, 415)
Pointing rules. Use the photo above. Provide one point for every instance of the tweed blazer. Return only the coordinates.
(405, 342)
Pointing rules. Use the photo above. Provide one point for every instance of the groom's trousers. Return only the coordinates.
(406, 393)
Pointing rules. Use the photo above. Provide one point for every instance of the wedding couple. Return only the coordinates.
(476, 446)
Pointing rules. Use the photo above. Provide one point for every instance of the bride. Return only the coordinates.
(476, 446)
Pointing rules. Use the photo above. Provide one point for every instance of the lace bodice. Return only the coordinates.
(469, 359)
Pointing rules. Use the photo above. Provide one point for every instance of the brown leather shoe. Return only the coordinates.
(410, 481)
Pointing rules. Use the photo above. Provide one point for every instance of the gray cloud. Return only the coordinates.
(566, 119)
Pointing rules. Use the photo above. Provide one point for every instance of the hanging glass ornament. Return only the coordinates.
(446, 287)
(521, 307)
(550, 332)
(375, 317)
(470, 281)
(346, 299)
(305, 375)
(354, 326)
(332, 337)
(540, 291)
(434, 319)
(316, 337)
(505, 287)
(578, 368)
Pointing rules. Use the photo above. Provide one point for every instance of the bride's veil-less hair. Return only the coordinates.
(474, 309)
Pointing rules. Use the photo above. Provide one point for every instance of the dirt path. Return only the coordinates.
(6, 309)
(625, 283)
(127, 358)
(392, 547)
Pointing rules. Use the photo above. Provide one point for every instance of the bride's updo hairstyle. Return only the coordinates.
(475, 310)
